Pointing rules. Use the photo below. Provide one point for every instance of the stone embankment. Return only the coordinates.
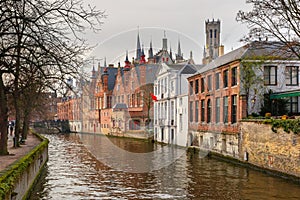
(277, 152)
(20, 169)
(254, 145)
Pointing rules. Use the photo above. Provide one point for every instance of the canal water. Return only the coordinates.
(87, 166)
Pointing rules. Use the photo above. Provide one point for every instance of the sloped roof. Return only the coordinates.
(189, 69)
(176, 66)
(222, 60)
(112, 72)
(151, 70)
(185, 68)
(252, 51)
(120, 106)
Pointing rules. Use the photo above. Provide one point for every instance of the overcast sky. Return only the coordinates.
(181, 19)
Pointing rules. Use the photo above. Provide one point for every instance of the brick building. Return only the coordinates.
(217, 97)
(90, 108)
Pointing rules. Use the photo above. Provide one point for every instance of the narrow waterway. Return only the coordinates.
(86, 166)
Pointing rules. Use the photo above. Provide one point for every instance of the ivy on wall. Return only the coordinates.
(288, 125)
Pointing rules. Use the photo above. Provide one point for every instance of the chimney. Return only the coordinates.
(221, 50)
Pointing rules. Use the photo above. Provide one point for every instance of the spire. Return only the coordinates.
(165, 42)
(150, 52)
(93, 72)
(99, 67)
(142, 60)
(179, 55)
(171, 56)
(179, 48)
(143, 53)
(127, 63)
(126, 59)
(105, 62)
(138, 47)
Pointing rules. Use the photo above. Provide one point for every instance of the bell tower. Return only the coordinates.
(213, 41)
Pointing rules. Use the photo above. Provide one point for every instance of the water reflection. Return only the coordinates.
(73, 172)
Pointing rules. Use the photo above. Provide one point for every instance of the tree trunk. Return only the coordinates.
(3, 119)
(17, 123)
(25, 129)
(16, 94)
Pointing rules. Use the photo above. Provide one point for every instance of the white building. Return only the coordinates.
(171, 107)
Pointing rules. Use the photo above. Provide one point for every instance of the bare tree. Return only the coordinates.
(250, 81)
(147, 100)
(274, 20)
(44, 35)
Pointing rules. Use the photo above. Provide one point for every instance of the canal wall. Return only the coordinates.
(226, 144)
(262, 147)
(18, 179)
(255, 145)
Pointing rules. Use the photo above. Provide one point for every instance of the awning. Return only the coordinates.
(286, 94)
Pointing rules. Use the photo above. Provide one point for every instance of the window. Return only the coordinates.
(202, 110)
(234, 76)
(209, 83)
(225, 78)
(172, 111)
(225, 109)
(191, 87)
(233, 109)
(217, 109)
(172, 86)
(138, 95)
(210, 33)
(109, 101)
(133, 100)
(197, 111)
(217, 81)
(202, 85)
(180, 122)
(197, 86)
(291, 75)
(215, 33)
(293, 105)
(191, 111)
(208, 118)
(270, 75)
(128, 100)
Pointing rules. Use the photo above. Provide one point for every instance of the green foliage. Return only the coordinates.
(289, 125)
(273, 106)
(250, 81)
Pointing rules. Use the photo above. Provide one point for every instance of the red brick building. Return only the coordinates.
(218, 98)
(130, 85)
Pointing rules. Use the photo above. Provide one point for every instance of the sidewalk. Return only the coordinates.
(17, 153)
